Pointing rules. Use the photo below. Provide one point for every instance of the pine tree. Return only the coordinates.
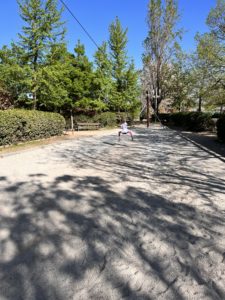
(132, 91)
(118, 53)
(103, 76)
(82, 78)
(42, 30)
(54, 80)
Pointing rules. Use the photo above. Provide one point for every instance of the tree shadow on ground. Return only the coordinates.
(207, 142)
(115, 237)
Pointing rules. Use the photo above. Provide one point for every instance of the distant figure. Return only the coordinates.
(125, 130)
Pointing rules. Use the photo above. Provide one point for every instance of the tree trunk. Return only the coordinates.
(35, 80)
(71, 119)
(200, 104)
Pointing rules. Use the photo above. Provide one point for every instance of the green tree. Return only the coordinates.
(103, 76)
(81, 90)
(211, 48)
(54, 80)
(14, 76)
(118, 55)
(180, 83)
(124, 76)
(132, 90)
(42, 30)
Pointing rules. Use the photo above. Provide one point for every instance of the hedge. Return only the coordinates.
(106, 119)
(193, 121)
(220, 125)
(24, 125)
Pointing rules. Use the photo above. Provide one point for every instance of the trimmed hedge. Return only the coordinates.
(220, 125)
(24, 125)
(106, 119)
(193, 121)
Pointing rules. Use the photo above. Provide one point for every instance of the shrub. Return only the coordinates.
(194, 121)
(24, 125)
(83, 118)
(220, 125)
(162, 117)
(106, 119)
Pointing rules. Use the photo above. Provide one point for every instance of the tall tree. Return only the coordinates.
(103, 75)
(211, 48)
(43, 28)
(54, 80)
(180, 83)
(118, 54)
(82, 91)
(162, 19)
(125, 86)
(132, 91)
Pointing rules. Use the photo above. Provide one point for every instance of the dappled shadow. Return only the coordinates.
(207, 142)
(137, 224)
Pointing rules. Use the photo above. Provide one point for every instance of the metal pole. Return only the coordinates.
(148, 112)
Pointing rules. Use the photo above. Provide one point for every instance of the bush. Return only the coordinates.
(162, 117)
(106, 119)
(83, 118)
(220, 125)
(25, 125)
(194, 121)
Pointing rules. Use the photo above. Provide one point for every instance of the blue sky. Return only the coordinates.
(96, 15)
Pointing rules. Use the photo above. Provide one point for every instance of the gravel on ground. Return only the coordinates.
(94, 218)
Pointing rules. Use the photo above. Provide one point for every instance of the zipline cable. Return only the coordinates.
(75, 18)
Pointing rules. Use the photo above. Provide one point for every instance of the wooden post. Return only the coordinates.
(71, 119)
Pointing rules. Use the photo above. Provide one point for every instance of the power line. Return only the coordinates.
(72, 14)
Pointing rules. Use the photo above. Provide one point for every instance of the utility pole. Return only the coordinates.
(148, 112)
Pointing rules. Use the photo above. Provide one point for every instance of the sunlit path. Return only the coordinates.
(99, 219)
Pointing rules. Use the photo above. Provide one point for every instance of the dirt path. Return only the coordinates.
(92, 218)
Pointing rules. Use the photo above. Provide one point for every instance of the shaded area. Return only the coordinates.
(145, 223)
(207, 141)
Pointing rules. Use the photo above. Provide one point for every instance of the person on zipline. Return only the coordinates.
(125, 130)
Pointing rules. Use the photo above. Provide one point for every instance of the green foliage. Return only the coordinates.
(216, 20)
(14, 76)
(211, 51)
(117, 44)
(180, 81)
(103, 83)
(125, 79)
(220, 125)
(5, 98)
(106, 119)
(39, 73)
(194, 121)
(43, 30)
(24, 125)
(83, 118)
(82, 82)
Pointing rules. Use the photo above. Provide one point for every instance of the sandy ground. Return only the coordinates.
(93, 218)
